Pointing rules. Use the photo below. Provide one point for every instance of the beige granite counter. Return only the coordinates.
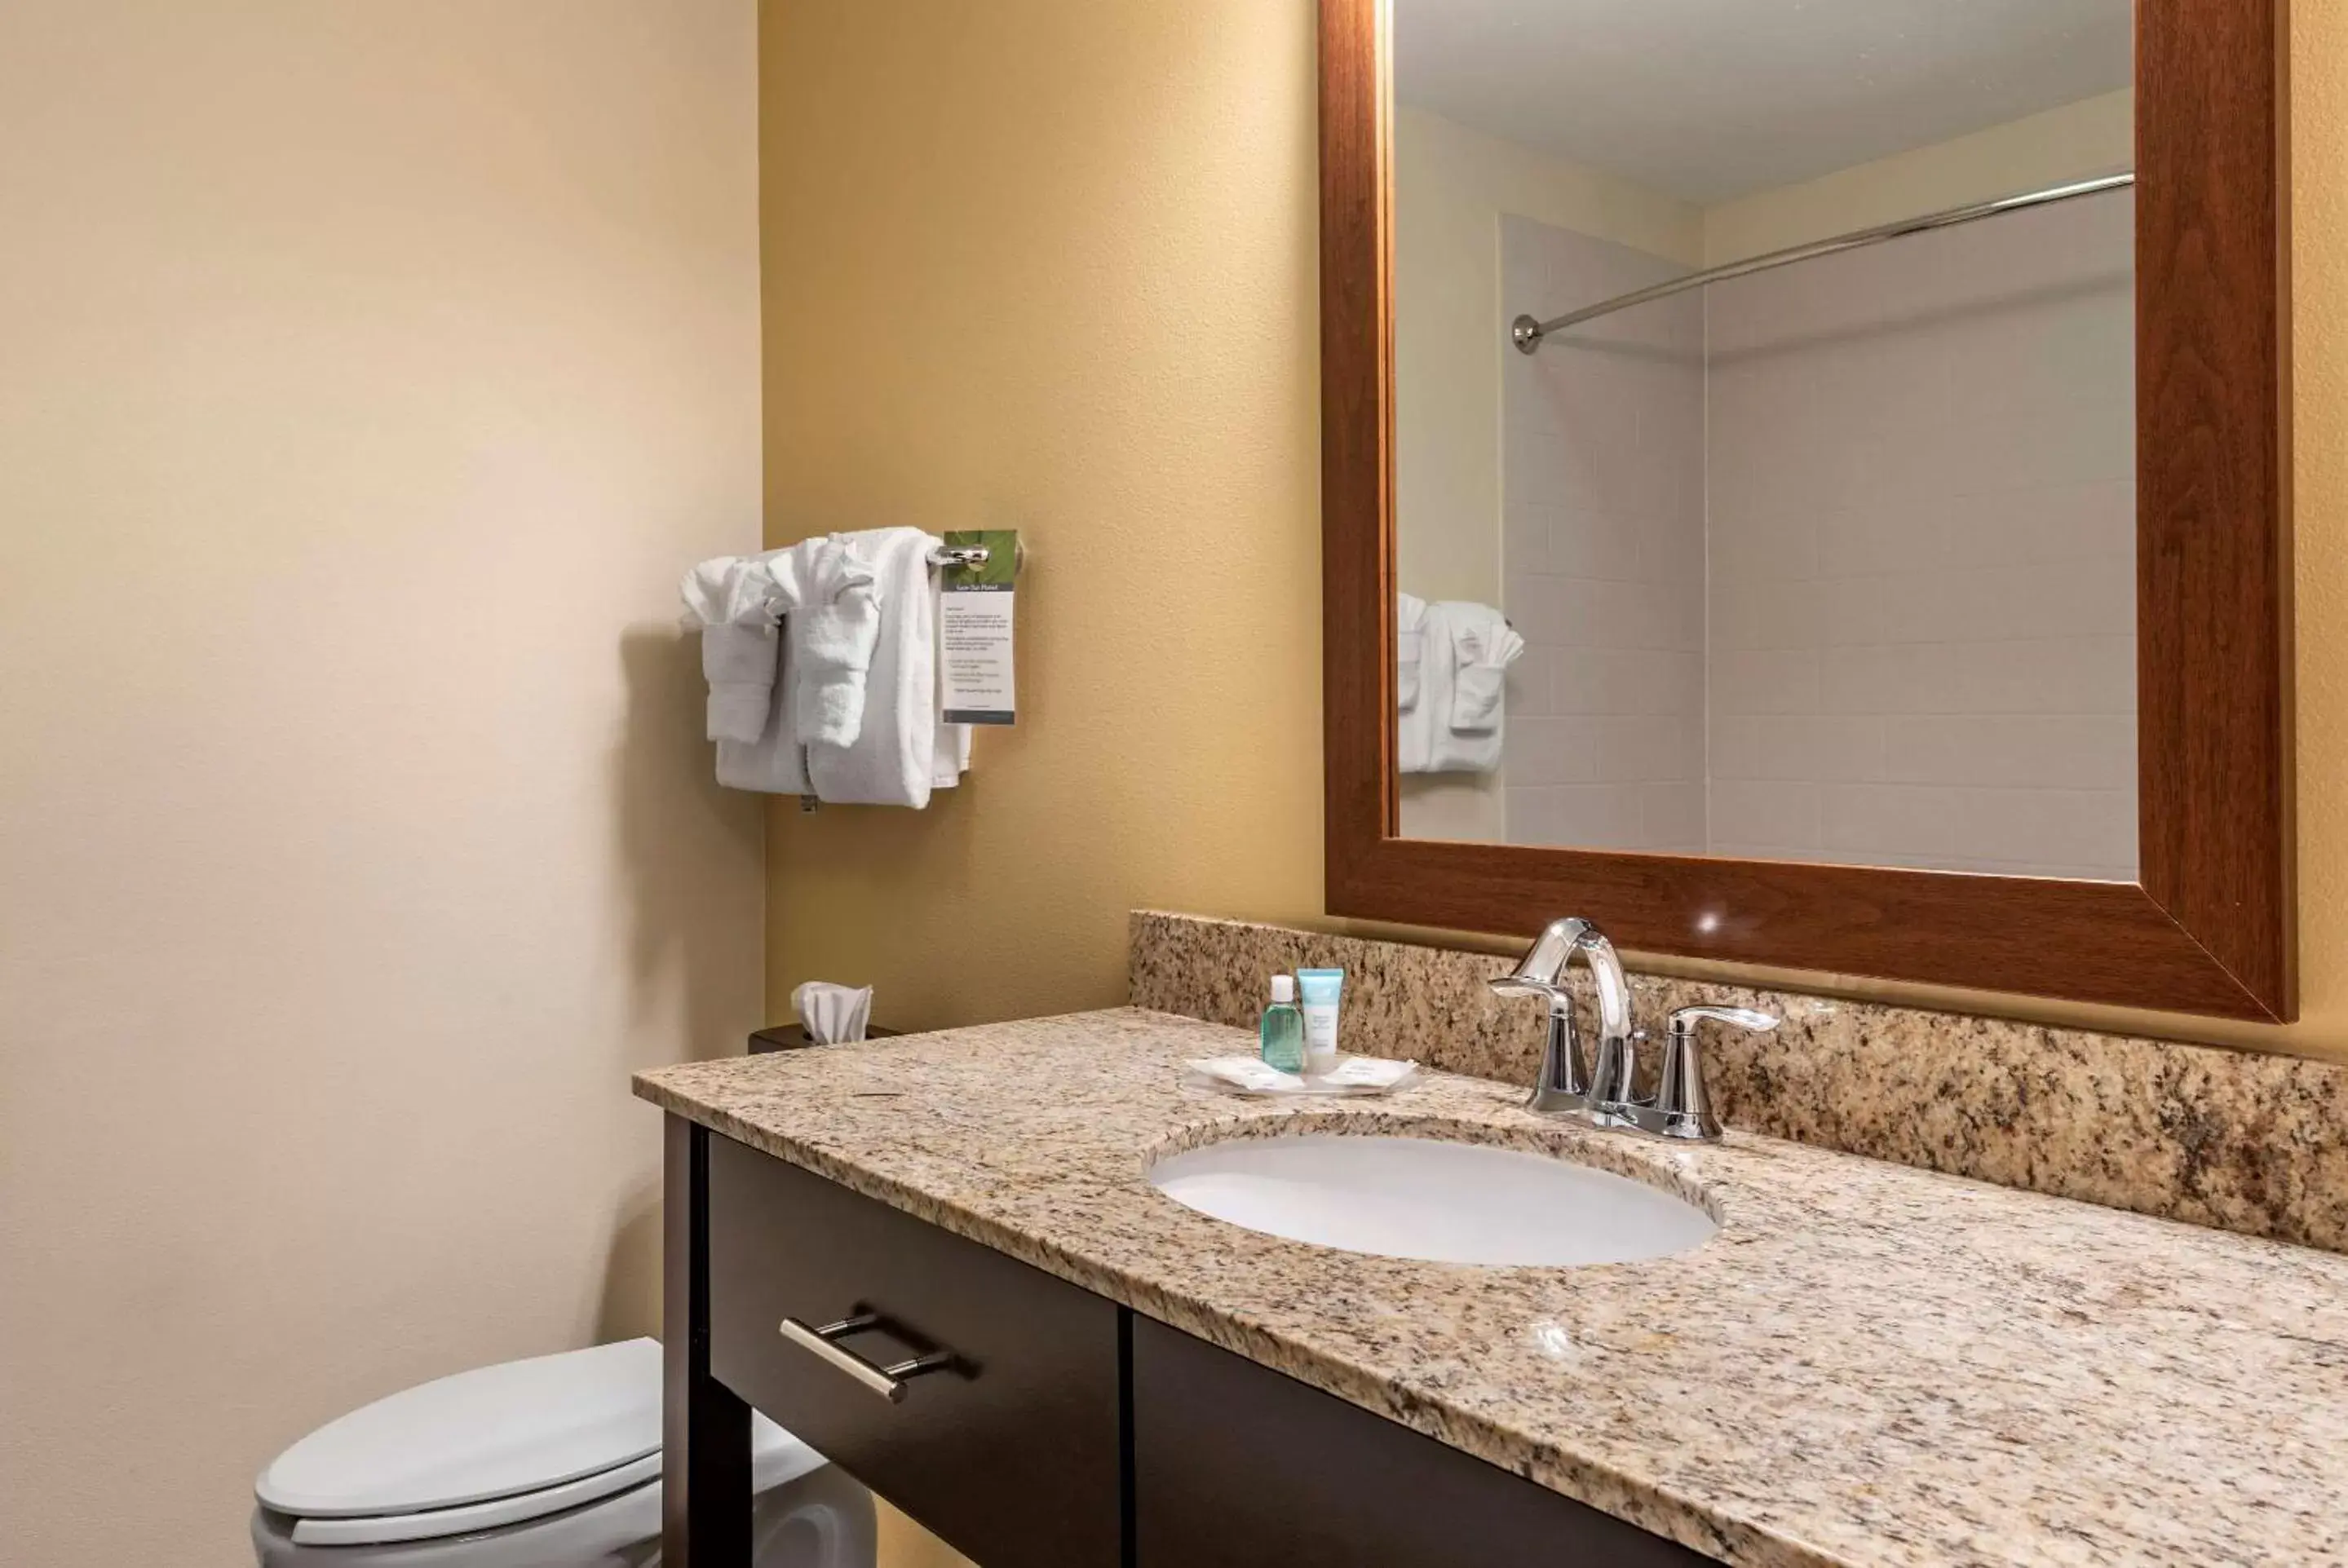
(1869, 1364)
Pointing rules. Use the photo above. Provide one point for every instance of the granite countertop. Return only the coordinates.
(1869, 1364)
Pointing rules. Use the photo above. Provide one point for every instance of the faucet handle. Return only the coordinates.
(1683, 1106)
(1684, 1019)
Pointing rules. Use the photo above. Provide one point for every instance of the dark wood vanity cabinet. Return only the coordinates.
(1011, 1452)
(1237, 1466)
(1058, 1430)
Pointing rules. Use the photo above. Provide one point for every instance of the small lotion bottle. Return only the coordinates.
(1322, 989)
(1281, 1033)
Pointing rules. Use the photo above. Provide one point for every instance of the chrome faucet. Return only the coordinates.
(1569, 1086)
(1602, 1090)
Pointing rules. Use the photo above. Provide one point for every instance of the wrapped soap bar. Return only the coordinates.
(1350, 1077)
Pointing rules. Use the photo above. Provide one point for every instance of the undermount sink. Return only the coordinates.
(1435, 1200)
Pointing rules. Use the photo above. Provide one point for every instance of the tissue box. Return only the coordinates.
(793, 1037)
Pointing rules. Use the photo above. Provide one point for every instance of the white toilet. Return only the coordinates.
(551, 1462)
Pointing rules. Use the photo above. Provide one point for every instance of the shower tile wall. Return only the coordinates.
(1603, 554)
(1914, 466)
(1922, 520)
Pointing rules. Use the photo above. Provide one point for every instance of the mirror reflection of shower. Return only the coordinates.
(1767, 372)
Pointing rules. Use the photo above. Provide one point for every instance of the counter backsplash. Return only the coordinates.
(2241, 1142)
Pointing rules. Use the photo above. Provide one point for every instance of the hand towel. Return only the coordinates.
(1410, 649)
(832, 629)
(772, 761)
(894, 759)
(775, 762)
(1467, 737)
(1428, 685)
(729, 598)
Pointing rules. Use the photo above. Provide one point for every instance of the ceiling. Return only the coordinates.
(1709, 99)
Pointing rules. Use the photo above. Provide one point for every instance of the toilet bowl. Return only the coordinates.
(550, 1462)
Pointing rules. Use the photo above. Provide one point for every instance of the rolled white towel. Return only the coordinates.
(833, 634)
(1423, 661)
(732, 600)
(1466, 733)
(894, 759)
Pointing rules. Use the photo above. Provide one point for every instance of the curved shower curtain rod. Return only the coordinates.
(1527, 333)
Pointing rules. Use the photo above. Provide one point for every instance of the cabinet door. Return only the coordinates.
(1237, 1466)
(1010, 1454)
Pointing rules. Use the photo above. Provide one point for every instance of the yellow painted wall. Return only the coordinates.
(1050, 262)
(367, 374)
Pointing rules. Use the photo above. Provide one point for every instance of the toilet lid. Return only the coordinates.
(496, 1431)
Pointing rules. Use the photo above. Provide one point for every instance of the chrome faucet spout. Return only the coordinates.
(1569, 1083)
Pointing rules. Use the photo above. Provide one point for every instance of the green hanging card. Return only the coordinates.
(975, 606)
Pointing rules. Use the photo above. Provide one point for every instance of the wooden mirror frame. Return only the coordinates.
(2209, 928)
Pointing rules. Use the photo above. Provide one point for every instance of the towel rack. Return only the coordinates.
(1527, 333)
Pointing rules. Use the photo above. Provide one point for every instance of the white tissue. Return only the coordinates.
(832, 1014)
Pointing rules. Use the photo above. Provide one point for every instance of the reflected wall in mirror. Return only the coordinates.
(1832, 558)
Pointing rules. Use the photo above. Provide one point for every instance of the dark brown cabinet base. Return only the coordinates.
(1056, 1429)
(1236, 1466)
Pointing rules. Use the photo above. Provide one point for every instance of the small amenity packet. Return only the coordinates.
(1350, 1077)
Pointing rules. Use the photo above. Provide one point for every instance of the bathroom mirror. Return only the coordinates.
(1804, 483)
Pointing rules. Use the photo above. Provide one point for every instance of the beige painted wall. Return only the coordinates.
(370, 372)
(2077, 141)
(1101, 217)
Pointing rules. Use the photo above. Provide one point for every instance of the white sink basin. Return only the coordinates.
(1439, 1202)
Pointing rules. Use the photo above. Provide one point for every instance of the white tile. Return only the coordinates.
(2095, 520)
(1597, 816)
(1637, 748)
(1525, 527)
(1748, 546)
(2038, 675)
(1749, 612)
(1673, 549)
(2057, 752)
(1906, 534)
(1672, 816)
(2048, 827)
(1915, 824)
(1783, 816)
(1874, 678)
(1551, 750)
(1530, 687)
(1824, 748)
(1776, 682)
(1601, 546)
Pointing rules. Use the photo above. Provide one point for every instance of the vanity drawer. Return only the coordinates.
(1011, 1453)
(1238, 1466)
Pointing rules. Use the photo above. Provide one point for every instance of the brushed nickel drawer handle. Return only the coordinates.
(889, 1381)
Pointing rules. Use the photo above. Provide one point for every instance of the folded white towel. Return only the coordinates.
(832, 633)
(774, 763)
(731, 599)
(1467, 737)
(1410, 649)
(895, 758)
(771, 761)
(1423, 661)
